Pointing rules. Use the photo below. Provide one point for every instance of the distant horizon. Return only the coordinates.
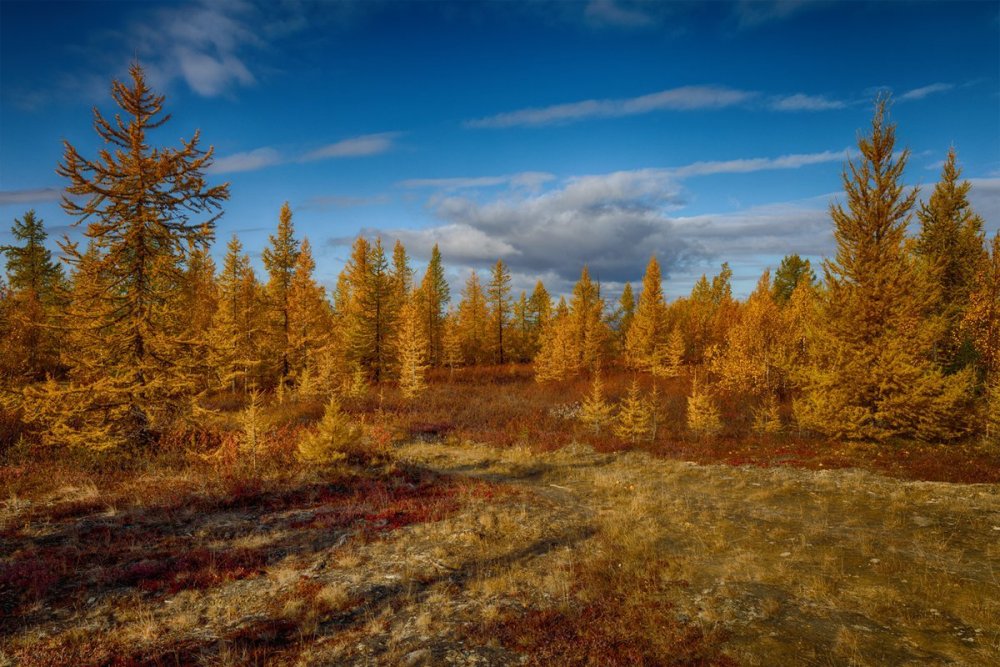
(549, 135)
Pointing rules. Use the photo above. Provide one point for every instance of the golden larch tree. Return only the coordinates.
(648, 328)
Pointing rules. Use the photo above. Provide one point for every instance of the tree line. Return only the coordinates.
(898, 337)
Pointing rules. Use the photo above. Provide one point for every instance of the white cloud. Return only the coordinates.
(921, 93)
(743, 166)
(753, 13)
(369, 144)
(35, 196)
(246, 161)
(802, 102)
(530, 180)
(685, 98)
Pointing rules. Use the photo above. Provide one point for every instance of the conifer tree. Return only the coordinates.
(498, 302)
(702, 413)
(648, 327)
(750, 360)
(452, 343)
(981, 321)
(792, 271)
(434, 298)
(139, 203)
(309, 315)
(412, 351)
(371, 312)
(199, 302)
(333, 438)
(634, 420)
(279, 260)
(626, 313)
(521, 330)
(237, 335)
(556, 359)
(670, 356)
(589, 332)
(872, 375)
(473, 321)
(595, 412)
(33, 301)
(539, 313)
(950, 249)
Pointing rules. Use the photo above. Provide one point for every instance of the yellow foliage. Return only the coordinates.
(702, 413)
(595, 411)
(332, 439)
(635, 418)
(412, 352)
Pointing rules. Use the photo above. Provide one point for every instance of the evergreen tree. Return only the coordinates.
(648, 329)
(30, 266)
(950, 249)
(138, 203)
(595, 412)
(434, 298)
(792, 271)
(873, 375)
(279, 260)
(473, 321)
(635, 420)
(556, 359)
(702, 413)
(412, 351)
(589, 332)
(309, 315)
(626, 313)
(372, 310)
(33, 301)
(333, 439)
(498, 302)
(981, 321)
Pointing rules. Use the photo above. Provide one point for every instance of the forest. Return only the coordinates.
(133, 366)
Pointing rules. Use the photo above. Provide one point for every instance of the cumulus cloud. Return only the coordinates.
(685, 98)
(34, 196)
(369, 144)
(924, 91)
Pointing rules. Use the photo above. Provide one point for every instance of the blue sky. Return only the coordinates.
(547, 134)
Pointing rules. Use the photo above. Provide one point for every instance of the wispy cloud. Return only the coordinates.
(685, 98)
(35, 196)
(369, 144)
(924, 91)
(747, 165)
(531, 180)
(246, 161)
(802, 102)
(266, 156)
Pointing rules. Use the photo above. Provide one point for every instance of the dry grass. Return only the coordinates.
(543, 546)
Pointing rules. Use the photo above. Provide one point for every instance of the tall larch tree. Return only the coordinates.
(279, 260)
(950, 247)
(873, 375)
(981, 322)
(520, 330)
(199, 302)
(433, 298)
(474, 321)
(309, 315)
(539, 312)
(499, 304)
(140, 205)
(412, 350)
(237, 335)
(649, 326)
(589, 331)
(556, 359)
(625, 315)
(372, 310)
